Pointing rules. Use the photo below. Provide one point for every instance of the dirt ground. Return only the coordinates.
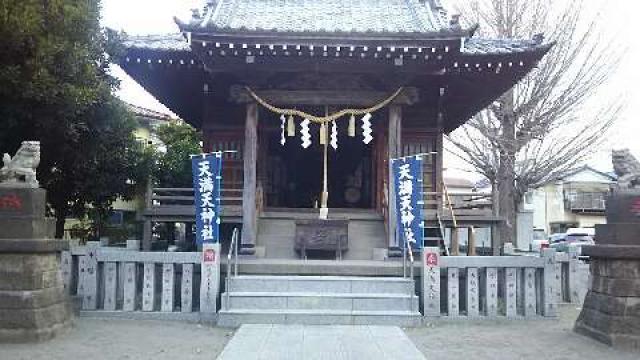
(96, 339)
(516, 339)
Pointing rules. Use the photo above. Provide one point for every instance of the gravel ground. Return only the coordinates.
(515, 339)
(97, 339)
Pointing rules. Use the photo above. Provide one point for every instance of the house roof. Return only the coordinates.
(148, 113)
(456, 182)
(587, 168)
(365, 17)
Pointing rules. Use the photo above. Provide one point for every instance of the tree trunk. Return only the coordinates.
(506, 181)
(506, 206)
(60, 221)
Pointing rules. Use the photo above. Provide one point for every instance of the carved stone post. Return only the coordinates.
(249, 213)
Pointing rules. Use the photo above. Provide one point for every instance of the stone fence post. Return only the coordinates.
(549, 283)
(209, 278)
(431, 281)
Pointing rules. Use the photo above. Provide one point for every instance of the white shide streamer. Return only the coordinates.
(334, 136)
(283, 140)
(366, 129)
(304, 132)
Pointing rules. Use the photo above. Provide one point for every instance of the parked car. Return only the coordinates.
(540, 240)
(557, 237)
(575, 239)
(582, 231)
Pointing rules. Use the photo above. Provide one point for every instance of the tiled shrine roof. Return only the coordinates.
(479, 46)
(162, 42)
(366, 17)
(178, 43)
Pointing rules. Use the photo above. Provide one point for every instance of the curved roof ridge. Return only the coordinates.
(438, 13)
(425, 17)
(169, 42)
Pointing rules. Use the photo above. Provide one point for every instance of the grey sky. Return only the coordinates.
(156, 17)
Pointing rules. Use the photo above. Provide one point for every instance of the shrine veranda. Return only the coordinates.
(233, 60)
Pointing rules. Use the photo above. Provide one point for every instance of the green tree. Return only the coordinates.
(174, 165)
(56, 89)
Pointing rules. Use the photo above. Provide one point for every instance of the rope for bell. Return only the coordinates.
(327, 118)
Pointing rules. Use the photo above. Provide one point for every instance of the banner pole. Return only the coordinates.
(420, 155)
(214, 153)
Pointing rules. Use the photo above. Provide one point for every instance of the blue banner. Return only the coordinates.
(407, 176)
(207, 178)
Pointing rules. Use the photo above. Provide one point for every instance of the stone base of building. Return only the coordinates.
(33, 303)
(611, 310)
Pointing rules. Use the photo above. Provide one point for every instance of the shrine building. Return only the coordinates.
(264, 80)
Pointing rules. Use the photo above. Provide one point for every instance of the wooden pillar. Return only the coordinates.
(471, 241)
(455, 241)
(249, 213)
(147, 228)
(395, 150)
(439, 158)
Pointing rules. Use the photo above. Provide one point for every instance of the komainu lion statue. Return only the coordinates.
(20, 170)
(627, 168)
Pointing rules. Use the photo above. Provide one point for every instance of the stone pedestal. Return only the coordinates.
(33, 302)
(611, 310)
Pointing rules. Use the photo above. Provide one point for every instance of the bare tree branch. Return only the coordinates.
(537, 131)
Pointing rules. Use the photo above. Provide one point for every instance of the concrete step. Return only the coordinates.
(321, 284)
(236, 317)
(318, 301)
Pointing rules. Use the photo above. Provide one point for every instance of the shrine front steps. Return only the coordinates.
(319, 300)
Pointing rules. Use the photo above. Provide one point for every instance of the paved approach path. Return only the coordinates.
(320, 342)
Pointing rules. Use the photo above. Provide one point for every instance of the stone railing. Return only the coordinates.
(573, 280)
(491, 286)
(168, 285)
(131, 283)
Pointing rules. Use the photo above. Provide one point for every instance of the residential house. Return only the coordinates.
(578, 199)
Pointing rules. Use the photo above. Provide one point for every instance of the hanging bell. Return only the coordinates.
(323, 134)
(291, 127)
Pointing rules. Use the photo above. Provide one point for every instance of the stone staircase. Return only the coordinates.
(319, 300)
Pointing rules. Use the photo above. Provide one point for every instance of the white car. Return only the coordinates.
(574, 240)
